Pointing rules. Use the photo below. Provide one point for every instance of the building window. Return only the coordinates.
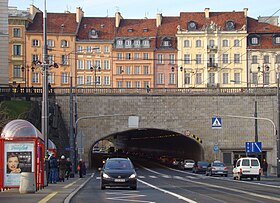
(211, 43)
(237, 43)
(136, 70)
(106, 64)
(237, 78)
(35, 78)
(106, 80)
(119, 84)
(266, 78)
(80, 64)
(187, 59)
(186, 43)
(89, 49)
(16, 32)
(146, 83)
(225, 43)
(119, 56)
(35, 58)
(166, 43)
(146, 43)
(119, 43)
(254, 41)
(137, 43)
(119, 70)
(98, 80)
(191, 25)
(51, 59)
(225, 78)
(211, 78)
(88, 80)
(198, 43)
(50, 43)
(230, 25)
(80, 80)
(97, 64)
(128, 56)
(236, 58)
(255, 59)
(128, 70)
(16, 71)
(198, 78)
(136, 56)
(35, 43)
(64, 43)
(51, 77)
(171, 58)
(255, 78)
(88, 64)
(64, 78)
(171, 78)
(160, 78)
(64, 59)
(146, 70)
(128, 84)
(266, 59)
(127, 43)
(225, 58)
(137, 84)
(198, 59)
(80, 49)
(277, 40)
(106, 49)
(277, 59)
(187, 78)
(160, 59)
(17, 50)
(146, 56)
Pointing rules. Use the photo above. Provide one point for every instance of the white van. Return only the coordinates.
(247, 167)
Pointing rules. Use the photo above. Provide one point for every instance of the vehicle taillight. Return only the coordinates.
(198, 166)
(225, 168)
(240, 170)
(260, 170)
(213, 168)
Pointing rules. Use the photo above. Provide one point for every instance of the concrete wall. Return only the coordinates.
(180, 113)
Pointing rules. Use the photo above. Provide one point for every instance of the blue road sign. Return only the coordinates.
(253, 147)
(216, 148)
(216, 122)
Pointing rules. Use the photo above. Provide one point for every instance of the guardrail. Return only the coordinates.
(37, 91)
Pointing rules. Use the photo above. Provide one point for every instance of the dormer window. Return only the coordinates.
(127, 43)
(276, 40)
(137, 43)
(191, 25)
(146, 43)
(130, 30)
(230, 25)
(254, 40)
(93, 33)
(64, 43)
(145, 30)
(119, 43)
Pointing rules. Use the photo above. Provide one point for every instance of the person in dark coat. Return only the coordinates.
(264, 167)
(80, 168)
(68, 168)
(53, 169)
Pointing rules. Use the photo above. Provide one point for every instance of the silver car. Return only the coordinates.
(217, 168)
(186, 164)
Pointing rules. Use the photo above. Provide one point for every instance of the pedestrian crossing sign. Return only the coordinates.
(216, 122)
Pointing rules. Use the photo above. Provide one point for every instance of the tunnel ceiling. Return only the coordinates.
(157, 140)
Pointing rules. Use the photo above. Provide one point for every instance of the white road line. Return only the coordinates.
(141, 176)
(152, 176)
(168, 192)
(128, 196)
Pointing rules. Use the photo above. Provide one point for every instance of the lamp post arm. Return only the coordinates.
(256, 118)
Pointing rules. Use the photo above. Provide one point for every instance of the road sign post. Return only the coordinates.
(216, 123)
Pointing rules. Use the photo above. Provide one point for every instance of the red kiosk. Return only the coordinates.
(21, 150)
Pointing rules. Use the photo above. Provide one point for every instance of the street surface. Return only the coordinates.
(157, 183)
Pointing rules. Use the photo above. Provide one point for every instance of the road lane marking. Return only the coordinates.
(48, 197)
(168, 192)
(127, 196)
(69, 185)
(152, 176)
(230, 189)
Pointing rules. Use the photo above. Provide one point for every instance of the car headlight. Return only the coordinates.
(105, 175)
(132, 175)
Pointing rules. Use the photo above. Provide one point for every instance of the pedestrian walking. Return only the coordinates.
(148, 89)
(62, 168)
(68, 168)
(53, 169)
(264, 167)
(80, 168)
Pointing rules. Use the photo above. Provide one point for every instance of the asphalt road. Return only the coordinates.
(157, 183)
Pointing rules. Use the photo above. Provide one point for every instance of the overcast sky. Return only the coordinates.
(149, 8)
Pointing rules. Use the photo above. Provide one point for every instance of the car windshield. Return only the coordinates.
(219, 164)
(118, 164)
(202, 163)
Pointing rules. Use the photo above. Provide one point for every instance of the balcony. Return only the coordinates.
(212, 66)
(212, 48)
(213, 85)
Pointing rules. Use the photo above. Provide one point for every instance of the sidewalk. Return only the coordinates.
(53, 193)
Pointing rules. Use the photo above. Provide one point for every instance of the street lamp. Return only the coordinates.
(265, 68)
(25, 72)
(278, 126)
(173, 69)
(95, 69)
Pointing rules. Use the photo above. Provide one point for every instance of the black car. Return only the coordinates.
(118, 172)
(200, 167)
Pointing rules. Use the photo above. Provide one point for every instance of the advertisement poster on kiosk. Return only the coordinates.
(18, 157)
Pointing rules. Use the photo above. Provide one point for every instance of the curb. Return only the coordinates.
(69, 197)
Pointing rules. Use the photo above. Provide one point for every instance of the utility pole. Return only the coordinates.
(278, 126)
(71, 133)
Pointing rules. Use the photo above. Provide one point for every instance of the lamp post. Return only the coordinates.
(173, 69)
(278, 126)
(95, 69)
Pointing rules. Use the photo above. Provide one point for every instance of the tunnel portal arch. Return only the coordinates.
(150, 142)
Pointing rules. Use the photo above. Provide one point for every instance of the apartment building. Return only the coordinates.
(4, 43)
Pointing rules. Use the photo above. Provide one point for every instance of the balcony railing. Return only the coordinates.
(212, 48)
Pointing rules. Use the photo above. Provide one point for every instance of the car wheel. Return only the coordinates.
(259, 178)
(226, 175)
(102, 187)
(252, 178)
(239, 177)
(210, 174)
(134, 187)
(234, 178)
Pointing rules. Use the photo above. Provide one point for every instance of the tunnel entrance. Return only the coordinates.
(148, 142)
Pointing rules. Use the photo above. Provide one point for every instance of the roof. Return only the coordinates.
(218, 18)
(56, 23)
(20, 129)
(254, 26)
(104, 26)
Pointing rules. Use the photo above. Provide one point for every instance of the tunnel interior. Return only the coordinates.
(149, 143)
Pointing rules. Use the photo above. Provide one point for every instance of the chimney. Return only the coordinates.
(79, 14)
(33, 10)
(206, 11)
(158, 19)
(245, 12)
(118, 18)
